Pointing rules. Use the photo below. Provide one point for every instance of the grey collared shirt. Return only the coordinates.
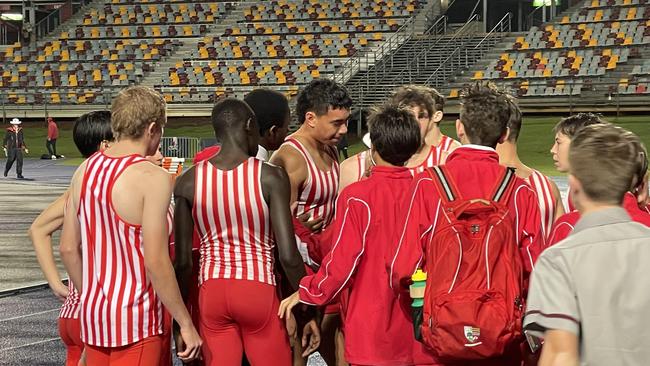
(596, 284)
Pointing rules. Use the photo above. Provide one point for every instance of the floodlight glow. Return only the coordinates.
(12, 16)
(537, 3)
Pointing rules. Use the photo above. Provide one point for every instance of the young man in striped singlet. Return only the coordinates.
(115, 242)
(377, 329)
(633, 201)
(548, 195)
(474, 169)
(564, 132)
(91, 132)
(240, 207)
(310, 158)
(427, 105)
(273, 116)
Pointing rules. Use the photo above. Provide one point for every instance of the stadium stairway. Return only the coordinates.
(423, 59)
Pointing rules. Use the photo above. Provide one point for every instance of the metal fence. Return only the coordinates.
(180, 147)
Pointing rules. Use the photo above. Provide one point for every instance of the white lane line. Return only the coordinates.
(30, 344)
(28, 315)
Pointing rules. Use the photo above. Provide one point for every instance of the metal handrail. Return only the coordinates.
(504, 23)
(422, 54)
(373, 70)
(353, 64)
(500, 25)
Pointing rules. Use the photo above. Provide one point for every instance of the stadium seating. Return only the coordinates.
(108, 49)
(581, 48)
(285, 43)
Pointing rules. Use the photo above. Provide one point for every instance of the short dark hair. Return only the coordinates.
(514, 122)
(319, 95)
(90, 130)
(593, 168)
(230, 113)
(570, 126)
(271, 108)
(395, 133)
(484, 112)
(414, 95)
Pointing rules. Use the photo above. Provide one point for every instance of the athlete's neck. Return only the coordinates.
(233, 152)
(509, 157)
(434, 137)
(587, 206)
(307, 138)
(378, 161)
(124, 147)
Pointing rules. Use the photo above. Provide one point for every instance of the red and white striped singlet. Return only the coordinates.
(70, 307)
(435, 155)
(541, 184)
(233, 223)
(118, 304)
(318, 193)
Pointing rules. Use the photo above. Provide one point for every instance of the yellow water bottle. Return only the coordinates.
(416, 291)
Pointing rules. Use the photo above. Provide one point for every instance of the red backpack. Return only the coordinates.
(473, 302)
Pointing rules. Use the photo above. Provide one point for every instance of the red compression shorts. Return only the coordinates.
(70, 333)
(240, 316)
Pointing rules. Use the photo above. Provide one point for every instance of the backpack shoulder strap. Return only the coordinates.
(443, 183)
(504, 186)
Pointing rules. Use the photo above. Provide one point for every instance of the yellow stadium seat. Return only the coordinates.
(126, 32)
(478, 75)
(88, 21)
(48, 83)
(64, 35)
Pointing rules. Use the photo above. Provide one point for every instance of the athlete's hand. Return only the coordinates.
(314, 225)
(188, 343)
(287, 304)
(292, 329)
(60, 291)
(310, 338)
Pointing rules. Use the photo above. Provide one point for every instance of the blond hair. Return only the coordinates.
(605, 162)
(134, 109)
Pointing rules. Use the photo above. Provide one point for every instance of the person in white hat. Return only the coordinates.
(13, 145)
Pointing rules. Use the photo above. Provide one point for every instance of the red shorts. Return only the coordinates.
(145, 352)
(70, 333)
(240, 316)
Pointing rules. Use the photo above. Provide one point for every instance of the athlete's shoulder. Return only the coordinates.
(185, 183)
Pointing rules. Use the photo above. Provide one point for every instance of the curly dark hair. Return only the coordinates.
(319, 95)
(484, 112)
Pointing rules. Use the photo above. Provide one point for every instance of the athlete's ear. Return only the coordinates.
(152, 129)
(505, 136)
(310, 119)
(460, 130)
(437, 117)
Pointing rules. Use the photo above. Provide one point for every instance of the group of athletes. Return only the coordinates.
(260, 258)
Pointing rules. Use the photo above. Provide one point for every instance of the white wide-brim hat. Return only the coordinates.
(366, 140)
(15, 121)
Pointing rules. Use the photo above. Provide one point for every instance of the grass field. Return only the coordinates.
(534, 143)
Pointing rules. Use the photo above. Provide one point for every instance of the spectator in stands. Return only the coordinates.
(585, 314)
(273, 116)
(13, 145)
(564, 132)
(52, 135)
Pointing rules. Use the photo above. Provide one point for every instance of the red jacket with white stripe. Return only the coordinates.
(475, 171)
(565, 223)
(377, 330)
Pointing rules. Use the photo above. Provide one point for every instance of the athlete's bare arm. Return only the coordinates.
(559, 206)
(41, 230)
(349, 172)
(150, 194)
(295, 166)
(70, 246)
(184, 230)
(276, 188)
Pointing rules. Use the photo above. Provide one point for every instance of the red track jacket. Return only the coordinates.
(377, 331)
